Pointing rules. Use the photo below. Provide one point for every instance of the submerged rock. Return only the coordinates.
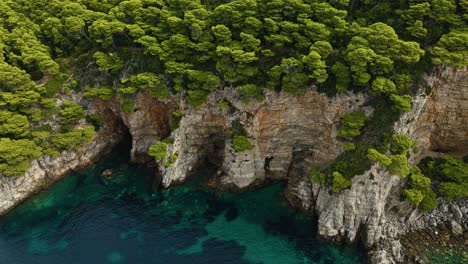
(107, 173)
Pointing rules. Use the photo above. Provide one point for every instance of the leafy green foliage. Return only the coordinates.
(14, 125)
(376, 156)
(191, 48)
(397, 162)
(401, 144)
(348, 146)
(452, 48)
(158, 151)
(455, 174)
(175, 119)
(55, 84)
(250, 91)
(73, 139)
(420, 192)
(16, 155)
(316, 176)
(351, 124)
(241, 143)
(103, 93)
(339, 182)
(108, 62)
(171, 161)
(402, 103)
(197, 97)
(71, 112)
(449, 174)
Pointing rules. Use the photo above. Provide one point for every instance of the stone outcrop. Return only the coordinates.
(371, 210)
(280, 127)
(288, 134)
(439, 121)
(148, 122)
(47, 170)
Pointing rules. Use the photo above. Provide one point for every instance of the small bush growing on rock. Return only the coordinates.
(71, 112)
(175, 119)
(171, 160)
(103, 93)
(158, 151)
(376, 156)
(16, 155)
(399, 165)
(401, 144)
(401, 102)
(315, 175)
(455, 171)
(223, 105)
(348, 146)
(241, 143)
(339, 182)
(414, 196)
(420, 194)
(451, 172)
(351, 124)
(396, 164)
(429, 202)
(73, 139)
(250, 91)
(452, 190)
(197, 97)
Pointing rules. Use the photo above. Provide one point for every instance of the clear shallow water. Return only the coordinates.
(83, 219)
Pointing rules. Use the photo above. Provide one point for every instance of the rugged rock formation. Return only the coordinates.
(47, 170)
(281, 127)
(371, 210)
(288, 133)
(439, 121)
(148, 122)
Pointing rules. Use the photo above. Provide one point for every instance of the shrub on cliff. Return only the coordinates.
(401, 102)
(73, 139)
(401, 144)
(455, 172)
(16, 155)
(13, 124)
(339, 182)
(315, 175)
(71, 112)
(396, 163)
(158, 151)
(103, 93)
(241, 143)
(351, 124)
(420, 194)
(250, 91)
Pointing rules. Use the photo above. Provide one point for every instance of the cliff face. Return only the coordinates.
(283, 129)
(148, 122)
(291, 132)
(439, 121)
(288, 133)
(371, 210)
(47, 170)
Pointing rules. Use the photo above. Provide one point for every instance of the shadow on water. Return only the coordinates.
(86, 218)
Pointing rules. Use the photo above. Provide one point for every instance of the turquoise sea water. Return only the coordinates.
(85, 219)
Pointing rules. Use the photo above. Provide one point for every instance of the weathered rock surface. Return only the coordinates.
(47, 170)
(371, 210)
(279, 127)
(148, 122)
(288, 133)
(442, 125)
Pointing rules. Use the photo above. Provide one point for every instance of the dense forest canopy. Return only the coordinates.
(114, 48)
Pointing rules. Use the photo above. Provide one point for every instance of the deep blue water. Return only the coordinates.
(85, 219)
